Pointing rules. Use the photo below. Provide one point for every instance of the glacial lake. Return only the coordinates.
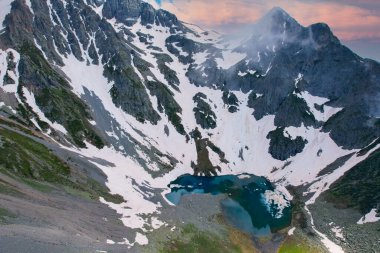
(252, 204)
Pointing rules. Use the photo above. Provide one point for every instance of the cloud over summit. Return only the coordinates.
(349, 19)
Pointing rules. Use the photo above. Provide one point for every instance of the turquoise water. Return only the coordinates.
(246, 205)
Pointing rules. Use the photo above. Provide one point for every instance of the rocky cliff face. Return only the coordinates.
(155, 97)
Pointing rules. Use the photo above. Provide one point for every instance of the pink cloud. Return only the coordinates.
(349, 22)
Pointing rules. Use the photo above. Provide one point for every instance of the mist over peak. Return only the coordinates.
(279, 14)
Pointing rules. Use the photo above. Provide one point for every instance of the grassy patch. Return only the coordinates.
(242, 240)
(62, 106)
(36, 166)
(5, 214)
(192, 240)
(359, 187)
(39, 186)
(23, 156)
(8, 189)
(16, 123)
(32, 56)
(54, 97)
(78, 193)
(297, 245)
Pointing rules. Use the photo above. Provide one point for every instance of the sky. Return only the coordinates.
(356, 23)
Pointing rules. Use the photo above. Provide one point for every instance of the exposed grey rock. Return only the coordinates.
(166, 101)
(169, 74)
(203, 166)
(166, 130)
(241, 155)
(335, 165)
(128, 11)
(203, 113)
(232, 102)
(282, 147)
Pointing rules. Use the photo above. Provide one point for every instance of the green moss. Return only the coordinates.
(192, 240)
(129, 72)
(36, 166)
(8, 189)
(37, 61)
(176, 120)
(101, 191)
(27, 112)
(114, 92)
(298, 245)
(5, 214)
(39, 186)
(54, 97)
(78, 193)
(62, 106)
(359, 187)
(28, 158)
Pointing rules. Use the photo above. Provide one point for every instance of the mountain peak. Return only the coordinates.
(278, 16)
(278, 11)
(277, 21)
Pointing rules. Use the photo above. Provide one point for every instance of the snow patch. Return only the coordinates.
(110, 242)
(275, 202)
(243, 176)
(291, 231)
(338, 232)
(311, 101)
(229, 59)
(10, 88)
(181, 52)
(298, 79)
(369, 217)
(5, 8)
(200, 58)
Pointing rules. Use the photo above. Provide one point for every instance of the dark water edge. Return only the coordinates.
(252, 204)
